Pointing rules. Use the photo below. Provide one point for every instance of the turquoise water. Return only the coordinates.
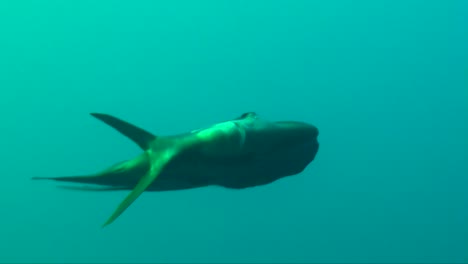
(386, 82)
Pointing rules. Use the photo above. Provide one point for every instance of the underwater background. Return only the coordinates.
(386, 83)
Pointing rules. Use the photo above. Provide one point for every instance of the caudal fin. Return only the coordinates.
(158, 161)
(140, 136)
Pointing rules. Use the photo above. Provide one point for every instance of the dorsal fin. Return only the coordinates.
(141, 137)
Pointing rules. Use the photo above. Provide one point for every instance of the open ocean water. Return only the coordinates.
(386, 83)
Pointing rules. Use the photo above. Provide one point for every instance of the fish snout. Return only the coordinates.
(300, 129)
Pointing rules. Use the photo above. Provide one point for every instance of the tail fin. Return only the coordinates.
(141, 137)
(158, 161)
